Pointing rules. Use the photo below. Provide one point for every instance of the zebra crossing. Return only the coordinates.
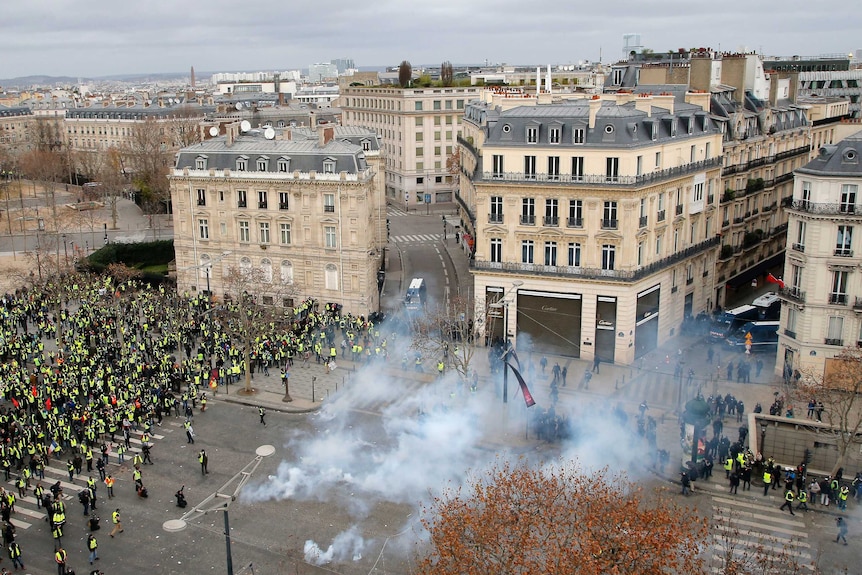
(417, 238)
(27, 510)
(751, 532)
(656, 388)
(395, 211)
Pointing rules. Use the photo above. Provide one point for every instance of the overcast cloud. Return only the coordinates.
(92, 38)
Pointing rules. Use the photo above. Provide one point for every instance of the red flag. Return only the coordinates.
(15, 403)
(774, 280)
(48, 404)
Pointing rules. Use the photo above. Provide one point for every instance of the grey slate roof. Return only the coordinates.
(616, 125)
(841, 159)
(302, 151)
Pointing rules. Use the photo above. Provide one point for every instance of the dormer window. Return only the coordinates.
(673, 128)
(241, 164)
(554, 135)
(262, 164)
(329, 166)
(691, 124)
(578, 135)
(283, 165)
(201, 163)
(654, 131)
(366, 145)
(532, 134)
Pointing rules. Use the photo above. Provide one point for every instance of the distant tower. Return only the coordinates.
(631, 43)
(193, 77)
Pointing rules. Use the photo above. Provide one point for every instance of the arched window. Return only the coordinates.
(331, 277)
(266, 270)
(245, 266)
(286, 272)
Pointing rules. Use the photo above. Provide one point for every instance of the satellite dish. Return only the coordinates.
(239, 105)
(214, 131)
(269, 133)
(245, 126)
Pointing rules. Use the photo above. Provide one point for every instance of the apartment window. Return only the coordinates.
(799, 246)
(792, 316)
(657, 158)
(244, 232)
(553, 168)
(575, 255)
(527, 247)
(640, 165)
(328, 166)
(420, 152)
(498, 166)
(844, 241)
(658, 240)
(418, 106)
(329, 203)
(496, 215)
(261, 164)
(530, 167)
(283, 164)
(692, 232)
(578, 135)
(437, 105)
(420, 181)
(660, 214)
(496, 250)
(284, 233)
(552, 214)
(848, 198)
(839, 288)
(609, 254)
(202, 197)
(550, 253)
(528, 211)
(576, 214)
(419, 121)
(329, 237)
(532, 135)
(419, 136)
(261, 200)
(263, 228)
(286, 272)
(266, 268)
(221, 195)
(578, 168)
(241, 165)
(835, 331)
(612, 169)
(640, 254)
(204, 228)
(692, 154)
(241, 199)
(698, 192)
(676, 240)
(330, 276)
(448, 104)
(283, 200)
(609, 215)
(707, 232)
(554, 135)
(200, 163)
(806, 194)
(795, 277)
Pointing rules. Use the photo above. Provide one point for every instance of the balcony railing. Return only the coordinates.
(551, 221)
(689, 281)
(798, 248)
(604, 179)
(725, 223)
(831, 341)
(843, 252)
(660, 216)
(828, 209)
(596, 273)
(495, 218)
(790, 333)
(730, 170)
(642, 222)
(528, 220)
(329, 209)
(838, 299)
(202, 202)
(792, 293)
(710, 199)
(262, 205)
(857, 304)
(241, 204)
(609, 224)
(679, 210)
(575, 222)
(283, 206)
(738, 220)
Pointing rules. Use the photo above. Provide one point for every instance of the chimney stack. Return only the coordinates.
(595, 104)
(325, 134)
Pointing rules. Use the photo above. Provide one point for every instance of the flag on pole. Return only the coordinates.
(528, 397)
(774, 280)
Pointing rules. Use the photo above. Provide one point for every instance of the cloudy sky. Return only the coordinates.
(92, 38)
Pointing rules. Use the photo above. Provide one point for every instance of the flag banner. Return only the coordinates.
(528, 397)
(774, 280)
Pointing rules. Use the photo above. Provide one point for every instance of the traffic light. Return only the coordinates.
(387, 228)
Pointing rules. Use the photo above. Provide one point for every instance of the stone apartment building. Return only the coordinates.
(418, 129)
(303, 206)
(823, 289)
(594, 220)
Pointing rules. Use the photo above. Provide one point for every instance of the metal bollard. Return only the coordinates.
(313, 380)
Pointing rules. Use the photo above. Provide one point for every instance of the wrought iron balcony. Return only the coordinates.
(831, 341)
(551, 221)
(838, 298)
(495, 218)
(857, 304)
(679, 209)
(262, 205)
(660, 216)
(642, 222)
(528, 220)
(792, 294)
(843, 252)
(790, 333)
(282, 206)
(575, 222)
(609, 224)
(826, 209)
(241, 204)
(798, 247)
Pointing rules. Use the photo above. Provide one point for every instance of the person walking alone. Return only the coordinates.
(60, 558)
(118, 524)
(203, 460)
(789, 496)
(15, 555)
(842, 530)
(262, 412)
(92, 545)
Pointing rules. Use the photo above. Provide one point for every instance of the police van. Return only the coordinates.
(762, 336)
(415, 298)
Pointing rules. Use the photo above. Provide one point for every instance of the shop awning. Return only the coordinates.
(756, 271)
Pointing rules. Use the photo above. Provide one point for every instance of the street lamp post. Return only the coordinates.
(207, 272)
(220, 501)
(66, 250)
(762, 436)
(507, 343)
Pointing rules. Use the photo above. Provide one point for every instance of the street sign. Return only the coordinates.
(427, 198)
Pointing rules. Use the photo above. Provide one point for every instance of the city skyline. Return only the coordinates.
(91, 38)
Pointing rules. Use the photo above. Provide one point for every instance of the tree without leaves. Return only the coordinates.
(557, 521)
(148, 155)
(446, 73)
(405, 73)
(839, 389)
(739, 551)
(445, 330)
(453, 165)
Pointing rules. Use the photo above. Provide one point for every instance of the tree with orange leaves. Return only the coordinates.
(556, 520)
